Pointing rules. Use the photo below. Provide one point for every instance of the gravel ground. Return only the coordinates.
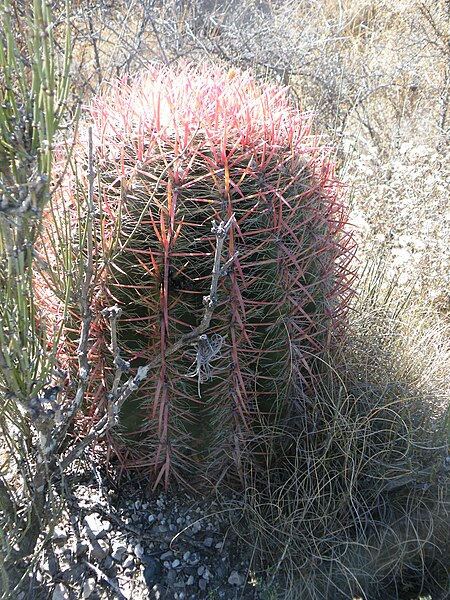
(122, 544)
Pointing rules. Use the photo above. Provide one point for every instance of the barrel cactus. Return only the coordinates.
(187, 158)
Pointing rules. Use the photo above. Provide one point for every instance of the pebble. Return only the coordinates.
(99, 550)
(59, 536)
(60, 593)
(88, 587)
(236, 579)
(119, 550)
(139, 551)
(128, 562)
(196, 527)
(81, 548)
(106, 525)
(94, 525)
(171, 576)
(152, 572)
(145, 569)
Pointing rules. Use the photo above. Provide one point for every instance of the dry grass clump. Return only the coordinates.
(356, 502)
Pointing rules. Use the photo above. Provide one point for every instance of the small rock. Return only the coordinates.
(73, 574)
(59, 536)
(208, 542)
(128, 562)
(119, 550)
(81, 549)
(221, 571)
(60, 593)
(88, 587)
(176, 563)
(196, 527)
(139, 551)
(166, 555)
(151, 519)
(126, 589)
(171, 576)
(108, 563)
(202, 584)
(94, 526)
(152, 572)
(201, 570)
(157, 593)
(99, 550)
(106, 525)
(236, 579)
(186, 555)
(207, 574)
(190, 580)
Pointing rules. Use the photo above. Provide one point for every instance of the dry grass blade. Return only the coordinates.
(354, 501)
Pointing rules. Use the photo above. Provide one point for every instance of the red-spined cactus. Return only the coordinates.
(174, 150)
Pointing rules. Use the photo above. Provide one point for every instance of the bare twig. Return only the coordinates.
(84, 298)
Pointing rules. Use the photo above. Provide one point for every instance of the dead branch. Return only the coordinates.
(119, 395)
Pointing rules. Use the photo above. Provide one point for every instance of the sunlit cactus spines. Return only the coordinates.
(175, 150)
